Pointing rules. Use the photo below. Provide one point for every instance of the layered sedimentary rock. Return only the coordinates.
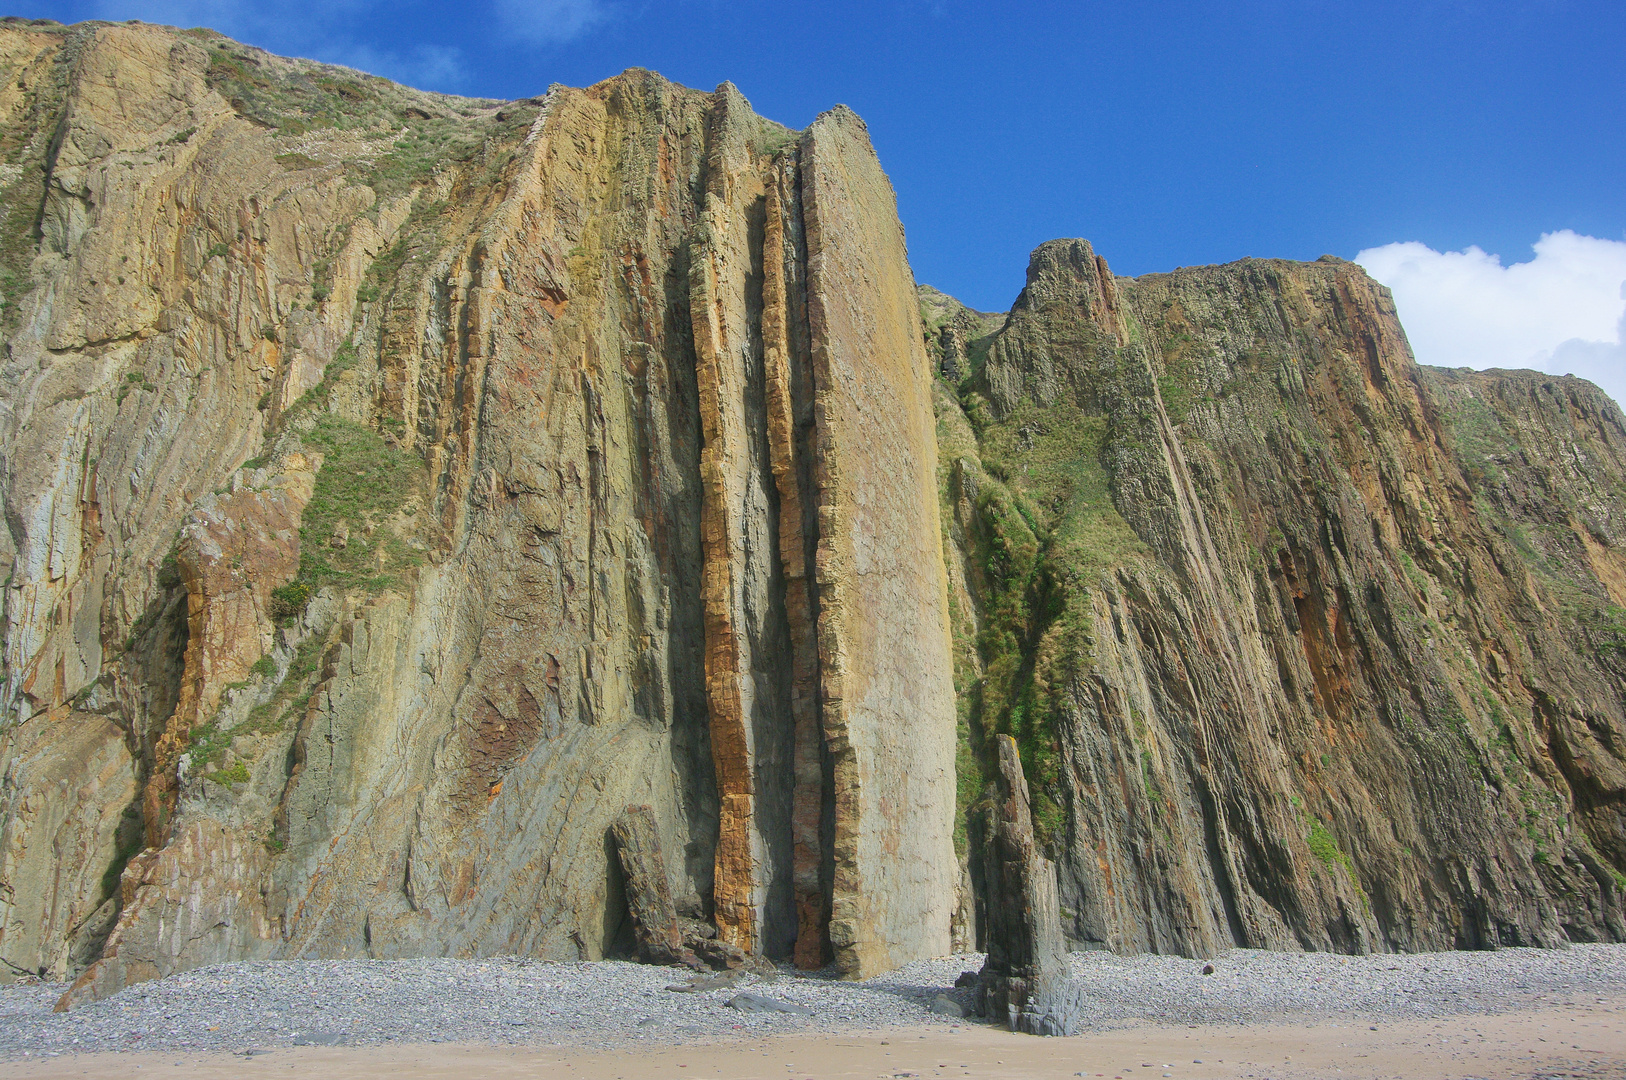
(637, 836)
(1306, 647)
(1024, 980)
(398, 487)
(882, 588)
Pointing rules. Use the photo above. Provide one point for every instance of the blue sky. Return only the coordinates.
(1167, 133)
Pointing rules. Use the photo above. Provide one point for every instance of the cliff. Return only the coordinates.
(399, 487)
(1305, 646)
(561, 528)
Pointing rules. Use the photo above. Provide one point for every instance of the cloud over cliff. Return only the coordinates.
(1562, 312)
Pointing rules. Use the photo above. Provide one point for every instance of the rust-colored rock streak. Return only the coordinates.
(717, 305)
(730, 749)
(888, 702)
(235, 548)
(579, 357)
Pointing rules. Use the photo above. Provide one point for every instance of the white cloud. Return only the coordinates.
(1563, 312)
(550, 22)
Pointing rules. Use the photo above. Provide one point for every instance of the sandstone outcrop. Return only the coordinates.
(1024, 980)
(400, 486)
(1305, 647)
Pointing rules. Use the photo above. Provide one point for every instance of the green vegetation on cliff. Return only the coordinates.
(1044, 527)
(346, 538)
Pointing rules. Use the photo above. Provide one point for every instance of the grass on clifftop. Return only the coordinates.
(425, 131)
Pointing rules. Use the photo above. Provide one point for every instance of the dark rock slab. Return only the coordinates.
(1025, 977)
(649, 894)
(756, 1003)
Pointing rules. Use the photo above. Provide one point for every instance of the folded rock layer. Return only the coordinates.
(592, 467)
(403, 490)
(1305, 646)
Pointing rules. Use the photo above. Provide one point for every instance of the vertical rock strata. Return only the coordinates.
(654, 917)
(398, 487)
(789, 397)
(883, 626)
(1024, 980)
(1305, 647)
(522, 437)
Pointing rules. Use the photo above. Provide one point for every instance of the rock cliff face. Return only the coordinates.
(423, 514)
(1305, 646)
(400, 487)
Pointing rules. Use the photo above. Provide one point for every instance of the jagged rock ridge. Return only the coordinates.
(1305, 646)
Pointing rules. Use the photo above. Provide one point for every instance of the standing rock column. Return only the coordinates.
(649, 894)
(1025, 976)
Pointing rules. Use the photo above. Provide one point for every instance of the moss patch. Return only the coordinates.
(237, 773)
(1324, 847)
(1046, 529)
(345, 538)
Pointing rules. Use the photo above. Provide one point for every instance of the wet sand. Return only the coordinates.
(1579, 1040)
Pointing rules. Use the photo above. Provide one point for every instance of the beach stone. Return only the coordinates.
(701, 984)
(943, 1005)
(718, 953)
(756, 1003)
(967, 978)
(323, 1038)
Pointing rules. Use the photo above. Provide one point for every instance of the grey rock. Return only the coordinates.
(1025, 977)
(637, 839)
(324, 1038)
(756, 1003)
(943, 1005)
(719, 954)
(701, 984)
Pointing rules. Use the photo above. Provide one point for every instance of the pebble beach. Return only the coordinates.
(247, 1009)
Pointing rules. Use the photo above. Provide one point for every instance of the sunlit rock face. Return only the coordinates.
(400, 490)
(399, 487)
(1305, 646)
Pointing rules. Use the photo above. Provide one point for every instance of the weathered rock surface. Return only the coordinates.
(398, 487)
(414, 483)
(649, 891)
(1024, 980)
(1305, 647)
(883, 618)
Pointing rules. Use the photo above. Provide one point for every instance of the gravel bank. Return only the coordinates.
(240, 1007)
